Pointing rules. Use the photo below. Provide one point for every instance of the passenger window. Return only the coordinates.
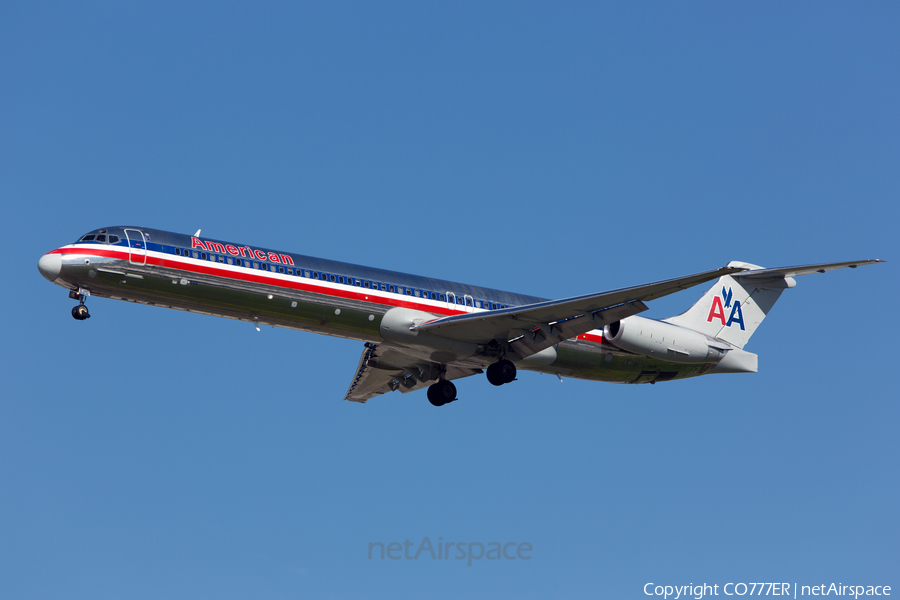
(229, 260)
(366, 284)
(391, 288)
(316, 275)
(331, 277)
(468, 302)
(203, 255)
(255, 265)
(340, 280)
(433, 296)
(221, 259)
(417, 293)
(382, 288)
(408, 292)
(442, 298)
(358, 283)
(281, 269)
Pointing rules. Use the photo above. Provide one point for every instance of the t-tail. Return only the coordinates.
(735, 305)
(714, 331)
(732, 309)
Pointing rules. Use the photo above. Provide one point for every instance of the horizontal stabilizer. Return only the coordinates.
(736, 304)
(758, 274)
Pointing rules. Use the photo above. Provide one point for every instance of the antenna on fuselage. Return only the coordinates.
(197, 234)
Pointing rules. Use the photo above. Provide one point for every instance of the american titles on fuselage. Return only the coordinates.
(243, 251)
(278, 262)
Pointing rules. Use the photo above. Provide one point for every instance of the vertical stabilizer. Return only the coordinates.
(734, 307)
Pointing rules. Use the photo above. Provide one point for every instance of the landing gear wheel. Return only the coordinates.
(80, 312)
(441, 393)
(501, 372)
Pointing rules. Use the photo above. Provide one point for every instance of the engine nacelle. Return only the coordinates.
(656, 339)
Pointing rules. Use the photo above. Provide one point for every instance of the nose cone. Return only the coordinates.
(49, 266)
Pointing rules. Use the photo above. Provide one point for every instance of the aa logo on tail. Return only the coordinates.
(717, 310)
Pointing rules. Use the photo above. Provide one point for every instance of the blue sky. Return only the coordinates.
(553, 151)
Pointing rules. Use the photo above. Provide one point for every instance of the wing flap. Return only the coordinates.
(526, 342)
(383, 369)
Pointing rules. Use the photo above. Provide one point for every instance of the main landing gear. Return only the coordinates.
(444, 392)
(441, 393)
(501, 372)
(79, 311)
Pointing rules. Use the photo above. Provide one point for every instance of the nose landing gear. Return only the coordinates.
(79, 311)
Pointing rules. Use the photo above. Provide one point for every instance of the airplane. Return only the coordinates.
(424, 332)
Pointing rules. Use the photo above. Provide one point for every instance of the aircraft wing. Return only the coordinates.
(384, 369)
(529, 329)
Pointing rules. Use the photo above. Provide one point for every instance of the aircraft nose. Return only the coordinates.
(49, 265)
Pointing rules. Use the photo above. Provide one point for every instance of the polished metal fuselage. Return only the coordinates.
(168, 270)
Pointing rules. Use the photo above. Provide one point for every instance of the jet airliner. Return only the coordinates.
(423, 332)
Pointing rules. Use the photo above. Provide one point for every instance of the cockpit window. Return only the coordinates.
(101, 238)
(113, 239)
(88, 237)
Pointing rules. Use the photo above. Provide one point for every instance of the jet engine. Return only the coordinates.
(664, 341)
